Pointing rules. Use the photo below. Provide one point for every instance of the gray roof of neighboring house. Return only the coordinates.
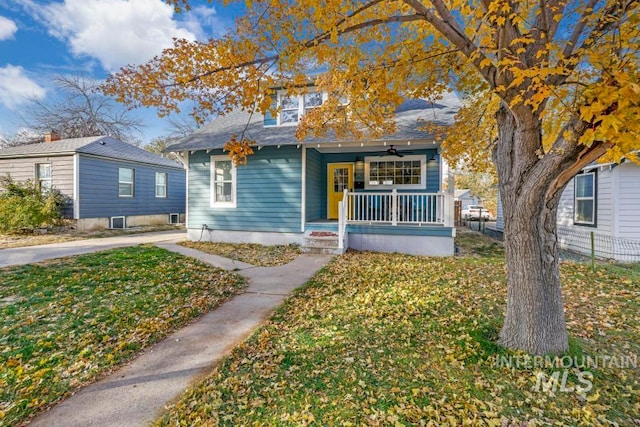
(408, 117)
(461, 192)
(103, 146)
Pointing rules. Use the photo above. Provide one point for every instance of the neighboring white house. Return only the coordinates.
(603, 199)
(466, 198)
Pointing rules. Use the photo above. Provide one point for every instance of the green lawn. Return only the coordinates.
(66, 322)
(251, 253)
(379, 339)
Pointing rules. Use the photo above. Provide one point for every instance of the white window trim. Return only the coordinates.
(212, 182)
(40, 180)
(133, 183)
(301, 108)
(594, 179)
(124, 222)
(423, 172)
(165, 185)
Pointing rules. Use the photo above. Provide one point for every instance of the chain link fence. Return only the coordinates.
(602, 246)
(578, 244)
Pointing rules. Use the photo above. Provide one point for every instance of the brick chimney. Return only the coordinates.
(51, 136)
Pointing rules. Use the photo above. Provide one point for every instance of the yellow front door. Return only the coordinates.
(339, 177)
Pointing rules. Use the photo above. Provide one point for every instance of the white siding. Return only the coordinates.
(604, 205)
(605, 202)
(618, 218)
(628, 201)
(565, 206)
(468, 200)
(24, 168)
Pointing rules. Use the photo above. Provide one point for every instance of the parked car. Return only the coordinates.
(475, 212)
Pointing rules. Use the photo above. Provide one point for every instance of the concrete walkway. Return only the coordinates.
(136, 394)
(31, 254)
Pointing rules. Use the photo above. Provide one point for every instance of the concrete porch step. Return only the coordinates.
(320, 242)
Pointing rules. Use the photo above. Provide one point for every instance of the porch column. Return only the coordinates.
(449, 205)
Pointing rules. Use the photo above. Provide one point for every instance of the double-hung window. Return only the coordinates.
(311, 100)
(43, 172)
(125, 182)
(290, 109)
(223, 182)
(161, 184)
(294, 107)
(585, 199)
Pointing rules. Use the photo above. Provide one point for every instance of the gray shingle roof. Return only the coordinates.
(461, 192)
(408, 117)
(103, 146)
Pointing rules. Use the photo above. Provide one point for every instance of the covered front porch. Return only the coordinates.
(379, 199)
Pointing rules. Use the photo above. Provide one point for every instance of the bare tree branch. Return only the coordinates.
(80, 111)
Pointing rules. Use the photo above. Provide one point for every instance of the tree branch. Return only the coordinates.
(577, 31)
(546, 25)
(452, 32)
(616, 10)
(306, 45)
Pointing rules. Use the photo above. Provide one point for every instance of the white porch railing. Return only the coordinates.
(394, 208)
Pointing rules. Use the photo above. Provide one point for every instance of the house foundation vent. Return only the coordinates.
(118, 222)
(174, 218)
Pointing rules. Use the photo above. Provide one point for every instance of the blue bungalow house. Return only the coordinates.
(324, 194)
(108, 183)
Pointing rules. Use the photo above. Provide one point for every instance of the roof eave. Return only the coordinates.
(57, 153)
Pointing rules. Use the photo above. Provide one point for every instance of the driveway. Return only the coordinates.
(31, 254)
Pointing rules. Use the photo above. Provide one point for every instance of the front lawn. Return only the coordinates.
(251, 253)
(66, 322)
(380, 339)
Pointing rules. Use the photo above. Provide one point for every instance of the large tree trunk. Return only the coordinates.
(534, 319)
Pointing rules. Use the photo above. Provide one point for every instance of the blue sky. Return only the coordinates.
(40, 39)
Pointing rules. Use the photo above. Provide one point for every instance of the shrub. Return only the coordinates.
(24, 208)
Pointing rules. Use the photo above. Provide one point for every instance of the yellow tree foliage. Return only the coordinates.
(549, 86)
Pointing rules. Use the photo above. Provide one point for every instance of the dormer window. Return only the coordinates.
(312, 100)
(293, 107)
(290, 109)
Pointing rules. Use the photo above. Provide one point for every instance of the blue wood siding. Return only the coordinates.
(314, 185)
(98, 193)
(433, 171)
(270, 119)
(268, 192)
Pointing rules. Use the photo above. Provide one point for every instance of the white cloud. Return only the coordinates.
(16, 87)
(205, 22)
(7, 28)
(116, 32)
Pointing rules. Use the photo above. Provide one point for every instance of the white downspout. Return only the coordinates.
(76, 186)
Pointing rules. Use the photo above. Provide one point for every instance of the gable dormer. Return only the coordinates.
(293, 107)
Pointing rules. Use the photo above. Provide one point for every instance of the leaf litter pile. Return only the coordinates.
(379, 339)
(67, 322)
(251, 253)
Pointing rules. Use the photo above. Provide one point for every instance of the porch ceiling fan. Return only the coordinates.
(394, 152)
